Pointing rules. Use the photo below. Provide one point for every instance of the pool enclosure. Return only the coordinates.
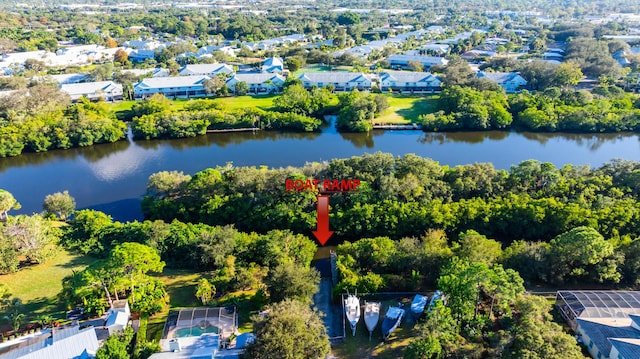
(193, 322)
(597, 304)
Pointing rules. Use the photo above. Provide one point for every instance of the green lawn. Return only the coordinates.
(181, 286)
(264, 102)
(38, 286)
(405, 109)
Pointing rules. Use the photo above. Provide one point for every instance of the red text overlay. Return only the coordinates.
(325, 185)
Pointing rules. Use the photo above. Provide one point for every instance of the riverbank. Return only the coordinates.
(115, 175)
(243, 129)
(413, 126)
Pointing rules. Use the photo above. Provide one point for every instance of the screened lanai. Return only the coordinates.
(597, 304)
(193, 322)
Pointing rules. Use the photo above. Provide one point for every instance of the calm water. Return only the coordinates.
(113, 177)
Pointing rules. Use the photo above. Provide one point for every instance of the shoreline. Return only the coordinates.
(243, 129)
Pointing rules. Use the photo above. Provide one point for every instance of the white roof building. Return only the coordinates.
(341, 81)
(273, 64)
(511, 81)
(62, 79)
(173, 87)
(260, 83)
(404, 81)
(426, 61)
(107, 90)
(205, 69)
(117, 321)
(63, 343)
(157, 72)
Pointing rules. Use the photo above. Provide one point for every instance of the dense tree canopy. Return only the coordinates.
(60, 204)
(305, 336)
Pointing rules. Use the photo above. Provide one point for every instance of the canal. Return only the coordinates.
(113, 177)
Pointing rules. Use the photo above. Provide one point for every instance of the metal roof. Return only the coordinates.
(627, 348)
(601, 304)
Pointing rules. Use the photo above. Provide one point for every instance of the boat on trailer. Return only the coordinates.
(418, 304)
(371, 316)
(391, 321)
(352, 311)
(438, 295)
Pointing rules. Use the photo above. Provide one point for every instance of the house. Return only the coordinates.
(341, 81)
(273, 64)
(552, 55)
(623, 56)
(606, 322)
(402, 61)
(157, 72)
(512, 82)
(210, 49)
(62, 79)
(210, 70)
(172, 87)
(399, 81)
(106, 90)
(435, 48)
(140, 55)
(143, 45)
(118, 316)
(477, 54)
(55, 343)
(610, 337)
(262, 83)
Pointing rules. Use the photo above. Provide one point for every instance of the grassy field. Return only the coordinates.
(264, 102)
(38, 286)
(405, 109)
(121, 109)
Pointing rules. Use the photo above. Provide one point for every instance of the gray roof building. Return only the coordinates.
(62, 343)
(205, 69)
(607, 322)
(426, 61)
(107, 90)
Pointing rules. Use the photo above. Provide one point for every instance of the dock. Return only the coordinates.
(412, 126)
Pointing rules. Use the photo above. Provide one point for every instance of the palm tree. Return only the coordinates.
(14, 316)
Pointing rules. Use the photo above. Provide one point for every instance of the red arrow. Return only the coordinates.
(323, 233)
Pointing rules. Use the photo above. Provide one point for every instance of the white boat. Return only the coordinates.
(352, 311)
(436, 296)
(418, 304)
(391, 321)
(371, 316)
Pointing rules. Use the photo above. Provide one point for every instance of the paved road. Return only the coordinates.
(322, 300)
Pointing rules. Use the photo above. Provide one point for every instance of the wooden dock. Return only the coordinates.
(413, 126)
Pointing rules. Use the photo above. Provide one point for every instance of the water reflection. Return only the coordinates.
(227, 138)
(592, 141)
(360, 139)
(461, 137)
(91, 154)
(115, 175)
(121, 164)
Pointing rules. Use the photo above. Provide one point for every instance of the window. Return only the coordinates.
(590, 344)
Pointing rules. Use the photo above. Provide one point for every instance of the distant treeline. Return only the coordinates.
(607, 109)
(43, 120)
